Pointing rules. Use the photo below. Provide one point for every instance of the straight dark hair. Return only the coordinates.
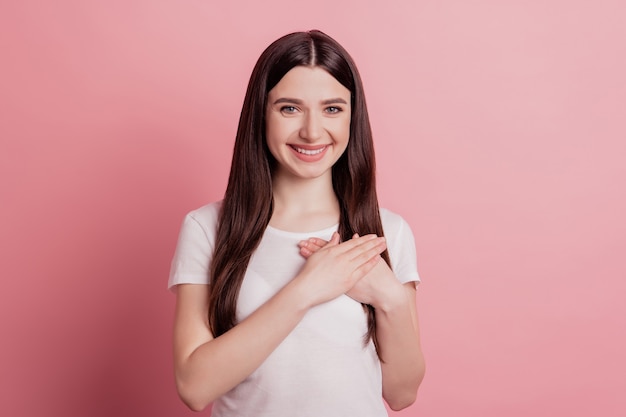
(248, 202)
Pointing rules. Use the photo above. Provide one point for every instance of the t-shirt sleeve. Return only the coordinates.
(194, 250)
(401, 248)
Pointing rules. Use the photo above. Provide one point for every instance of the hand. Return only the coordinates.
(372, 288)
(334, 268)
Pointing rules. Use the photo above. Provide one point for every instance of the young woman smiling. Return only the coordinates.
(296, 292)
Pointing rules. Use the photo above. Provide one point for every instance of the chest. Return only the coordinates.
(339, 322)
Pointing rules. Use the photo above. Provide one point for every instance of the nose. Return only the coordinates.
(312, 127)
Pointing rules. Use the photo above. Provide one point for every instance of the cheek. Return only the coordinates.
(270, 140)
(272, 131)
(278, 128)
(342, 135)
(344, 130)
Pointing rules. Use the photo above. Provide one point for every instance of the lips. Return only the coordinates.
(307, 151)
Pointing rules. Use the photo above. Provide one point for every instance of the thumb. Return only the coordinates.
(334, 240)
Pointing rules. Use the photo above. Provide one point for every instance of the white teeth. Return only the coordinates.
(309, 152)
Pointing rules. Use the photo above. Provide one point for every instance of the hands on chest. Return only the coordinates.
(372, 284)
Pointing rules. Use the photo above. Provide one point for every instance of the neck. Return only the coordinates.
(302, 205)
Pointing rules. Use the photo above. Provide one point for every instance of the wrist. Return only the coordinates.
(390, 297)
(299, 295)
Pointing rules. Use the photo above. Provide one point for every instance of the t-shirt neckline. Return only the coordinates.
(303, 235)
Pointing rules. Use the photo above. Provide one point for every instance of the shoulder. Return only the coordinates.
(203, 219)
(207, 215)
(195, 245)
(401, 246)
(199, 228)
(397, 232)
(393, 223)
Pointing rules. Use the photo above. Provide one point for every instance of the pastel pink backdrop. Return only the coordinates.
(500, 134)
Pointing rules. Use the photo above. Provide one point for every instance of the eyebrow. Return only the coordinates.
(336, 100)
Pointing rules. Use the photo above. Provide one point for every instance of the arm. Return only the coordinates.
(397, 332)
(207, 367)
(397, 328)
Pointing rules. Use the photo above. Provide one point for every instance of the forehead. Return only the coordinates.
(309, 83)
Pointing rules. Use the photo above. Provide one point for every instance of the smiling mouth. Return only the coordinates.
(309, 151)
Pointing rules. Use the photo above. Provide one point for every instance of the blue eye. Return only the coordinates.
(333, 109)
(288, 109)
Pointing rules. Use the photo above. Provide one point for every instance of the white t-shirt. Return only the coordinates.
(322, 368)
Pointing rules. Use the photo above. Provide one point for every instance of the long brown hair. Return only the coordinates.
(248, 201)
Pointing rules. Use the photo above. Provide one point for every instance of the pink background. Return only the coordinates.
(501, 137)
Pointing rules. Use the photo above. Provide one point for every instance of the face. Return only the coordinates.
(307, 122)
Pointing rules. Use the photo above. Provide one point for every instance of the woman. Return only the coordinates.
(306, 312)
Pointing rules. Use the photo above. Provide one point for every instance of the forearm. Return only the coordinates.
(399, 346)
(218, 365)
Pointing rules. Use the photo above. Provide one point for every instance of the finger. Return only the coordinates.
(335, 240)
(362, 243)
(316, 242)
(313, 247)
(366, 267)
(369, 249)
(351, 244)
(310, 246)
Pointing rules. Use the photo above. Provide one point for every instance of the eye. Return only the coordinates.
(333, 110)
(288, 109)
